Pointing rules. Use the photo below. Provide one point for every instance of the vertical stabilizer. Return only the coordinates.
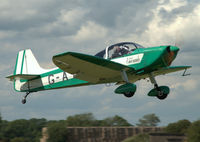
(26, 63)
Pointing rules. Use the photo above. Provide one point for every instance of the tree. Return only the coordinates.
(149, 120)
(179, 127)
(1, 123)
(193, 132)
(35, 127)
(0, 119)
(28, 130)
(17, 128)
(19, 139)
(114, 121)
(85, 119)
(1, 133)
(57, 132)
(4, 124)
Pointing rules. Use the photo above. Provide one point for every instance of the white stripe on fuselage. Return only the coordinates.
(129, 60)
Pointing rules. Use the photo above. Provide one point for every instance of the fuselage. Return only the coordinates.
(143, 60)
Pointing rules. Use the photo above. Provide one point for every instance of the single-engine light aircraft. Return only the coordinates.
(122, 63)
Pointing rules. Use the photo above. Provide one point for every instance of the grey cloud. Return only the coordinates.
(182, 11)
(28, 14)
(116, 14)
(20, 16)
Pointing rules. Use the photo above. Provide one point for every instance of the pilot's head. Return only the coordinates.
(116, 48)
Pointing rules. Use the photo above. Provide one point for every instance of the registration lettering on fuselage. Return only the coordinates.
(52, 78)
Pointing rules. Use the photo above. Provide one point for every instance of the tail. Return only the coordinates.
(26, 63)
(26, 68)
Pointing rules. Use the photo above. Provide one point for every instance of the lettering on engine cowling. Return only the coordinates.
(131, 60)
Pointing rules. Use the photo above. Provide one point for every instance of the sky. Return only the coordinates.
(50, 27)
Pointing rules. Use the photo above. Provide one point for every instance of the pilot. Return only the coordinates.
(117, 52)
(125, 50)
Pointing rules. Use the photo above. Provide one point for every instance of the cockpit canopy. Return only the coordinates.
(118, 50)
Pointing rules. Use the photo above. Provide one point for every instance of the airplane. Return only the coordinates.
(123, 64)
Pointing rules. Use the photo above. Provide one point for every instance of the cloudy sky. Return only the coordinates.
(49, 27)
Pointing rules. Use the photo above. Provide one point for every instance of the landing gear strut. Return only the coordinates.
(128, 89)
(24, 98)
(160, 92)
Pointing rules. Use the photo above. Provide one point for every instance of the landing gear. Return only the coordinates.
(161, 95)
(24, 98)
(161, 92)
(23, 101)
(128, 89)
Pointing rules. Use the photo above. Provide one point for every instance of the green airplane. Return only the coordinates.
(122, 63)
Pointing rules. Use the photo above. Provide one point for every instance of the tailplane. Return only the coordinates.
(27, 73)
(26, 68)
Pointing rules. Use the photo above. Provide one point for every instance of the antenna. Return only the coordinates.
(184, 73)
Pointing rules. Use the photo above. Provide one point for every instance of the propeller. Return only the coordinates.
(179, 40)
(172, 50)
(170, 56)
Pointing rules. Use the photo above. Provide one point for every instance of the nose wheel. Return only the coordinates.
(161, 92)
(24, 98)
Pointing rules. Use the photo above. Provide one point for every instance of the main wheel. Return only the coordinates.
(161, 95)
(129, 94)
(23, 101)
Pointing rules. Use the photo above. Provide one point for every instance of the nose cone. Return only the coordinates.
(174, 49)
(171, 53)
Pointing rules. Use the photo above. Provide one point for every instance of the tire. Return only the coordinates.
(129, 94)
(161, 95)
(23, 101)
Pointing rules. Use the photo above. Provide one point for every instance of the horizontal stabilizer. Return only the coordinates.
(22, 76)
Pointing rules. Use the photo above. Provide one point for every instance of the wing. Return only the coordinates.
(90, 68)
(170, 69)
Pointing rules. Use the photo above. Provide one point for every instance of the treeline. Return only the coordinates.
(31, 130)
(190, 129)
(57, 130)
